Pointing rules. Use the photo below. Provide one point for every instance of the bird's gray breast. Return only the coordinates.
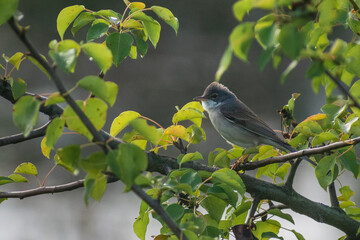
(231, 131)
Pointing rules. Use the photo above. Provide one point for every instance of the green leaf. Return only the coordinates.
(267, 226)
(298, 235)
(224, 192)
(282, 171)
(150, 133)
(324, 171)
(291, 40)
(69, 157)
(100, 53)
(316, 69)
(141, 45)
(267, 235)
(7, 10)
(26, 168)
(95, 109)
(241, 39)
(242, 7)
(348, 160)
(25, 113)
(282, 215)
(353, 60)
(82, 20)
(197, 134)
(323, 137)
(355, 90)
(129, 162)
(18, 88)
(192, 178)
(16, 59)
(266, 31)
(175, 211)
(187, 114)
(95, 187)
(231, 178)
(104, 90)
(140, 225)
(224, 63)
(54, 98)
(265, 57)
(191, 157)
(97, 31)
(214, 206)
(54, 131)
(167, 16)
(120, 45)
(65, 60)
(346, 193)
(288, 70)
(95, 163)
(354, 25)
(17, 178)
(66, 16)
(122, 121)
(152, 27)
(38, 65)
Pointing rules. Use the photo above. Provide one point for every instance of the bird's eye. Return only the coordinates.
(214, 95)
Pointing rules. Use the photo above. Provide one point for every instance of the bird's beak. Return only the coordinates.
(199, 98)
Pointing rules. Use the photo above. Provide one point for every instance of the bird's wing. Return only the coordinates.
(244, 117)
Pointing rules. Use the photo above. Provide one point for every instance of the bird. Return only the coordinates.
(236, 122)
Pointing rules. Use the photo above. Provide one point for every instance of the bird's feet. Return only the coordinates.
(240, 161)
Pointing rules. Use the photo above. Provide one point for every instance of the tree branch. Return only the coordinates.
(342, 88)
(20, 32)
(293, 155)
(13, 139)
(333, 198)
(97, 137)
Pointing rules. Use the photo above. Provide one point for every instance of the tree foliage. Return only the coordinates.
(287, 29)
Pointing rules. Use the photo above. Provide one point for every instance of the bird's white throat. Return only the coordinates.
(209, 104)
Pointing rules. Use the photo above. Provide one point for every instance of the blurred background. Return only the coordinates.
(178, 70)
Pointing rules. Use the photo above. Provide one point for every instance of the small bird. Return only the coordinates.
(236, 122)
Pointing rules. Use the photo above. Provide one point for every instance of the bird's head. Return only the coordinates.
(214, 95)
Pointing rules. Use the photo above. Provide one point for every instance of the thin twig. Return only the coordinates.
(293, 155)
(342, 88)
(17, 138)
(254, 206)
(261, 214)
(290, 180)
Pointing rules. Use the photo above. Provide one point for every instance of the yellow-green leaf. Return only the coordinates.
(178, 131)
(150, 133)
(100, 53)
(121, 121)
(45, 149)
(26, 168)
(66, 17)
